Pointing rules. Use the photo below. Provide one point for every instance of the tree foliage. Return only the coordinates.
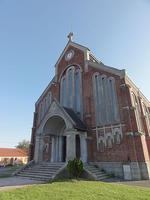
(24, 144)
(75, 167)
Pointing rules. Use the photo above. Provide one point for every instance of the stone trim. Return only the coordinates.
(101, 66)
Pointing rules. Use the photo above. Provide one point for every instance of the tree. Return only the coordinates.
(24, 144)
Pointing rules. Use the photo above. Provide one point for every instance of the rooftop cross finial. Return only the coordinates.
(70, 36)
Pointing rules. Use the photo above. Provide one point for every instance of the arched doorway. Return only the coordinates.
(55, 128)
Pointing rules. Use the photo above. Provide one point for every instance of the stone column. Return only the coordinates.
(71, 146)
(38, 155)
(60, 149)
(83, 147)
(57, 149)
(36, 152)
(53, 150)
(41, 149)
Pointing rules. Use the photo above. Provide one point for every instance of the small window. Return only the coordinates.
(109, 140)
(101, 146)
(45, 105)
(117, 138)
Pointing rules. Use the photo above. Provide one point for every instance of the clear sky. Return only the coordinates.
(33, 33)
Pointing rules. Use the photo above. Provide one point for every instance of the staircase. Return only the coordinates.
(44, 171)
(95, 172)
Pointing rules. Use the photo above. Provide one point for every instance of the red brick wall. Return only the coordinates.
(130, 148)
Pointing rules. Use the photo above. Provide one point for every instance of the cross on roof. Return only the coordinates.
(70, 36)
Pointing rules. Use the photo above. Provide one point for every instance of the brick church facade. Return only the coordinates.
(93, 112)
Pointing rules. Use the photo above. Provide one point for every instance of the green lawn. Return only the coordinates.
(78, 190)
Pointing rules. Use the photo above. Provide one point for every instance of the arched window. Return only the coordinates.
(97, 99)
(113, 97)
(48, 100)
(70, 86)
(137, 112)
(147, 117)
(63, 93)
(106, 105)
(78, 91)
(105, 100)
(41, 112)
(45, 104)
(71, 90)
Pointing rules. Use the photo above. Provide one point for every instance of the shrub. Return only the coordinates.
(75, 167)
(9, 165)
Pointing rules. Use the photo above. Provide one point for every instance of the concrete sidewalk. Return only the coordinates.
(16, 182)
(142, 183)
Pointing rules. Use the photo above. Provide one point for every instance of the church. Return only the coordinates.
(93, 112)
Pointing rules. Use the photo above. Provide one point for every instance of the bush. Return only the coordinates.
(9, 165)
(75, 167)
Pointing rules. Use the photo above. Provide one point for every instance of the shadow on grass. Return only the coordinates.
(70, 180)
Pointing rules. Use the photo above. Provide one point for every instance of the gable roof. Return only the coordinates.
(79, 125)
(70, 43)
(71, 115)
(56, 109)
(12, 152)
(90, 60)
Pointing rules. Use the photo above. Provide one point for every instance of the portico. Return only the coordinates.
(66, 141)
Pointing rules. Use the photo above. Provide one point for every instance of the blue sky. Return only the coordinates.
(34, 32)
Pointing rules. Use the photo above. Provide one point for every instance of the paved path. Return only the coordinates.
(143, 183)
(18, 182)
(15, 182)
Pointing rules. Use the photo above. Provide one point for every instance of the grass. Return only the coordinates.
(77, 190)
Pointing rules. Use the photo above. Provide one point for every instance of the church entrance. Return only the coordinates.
(55, 128)
(58, 149)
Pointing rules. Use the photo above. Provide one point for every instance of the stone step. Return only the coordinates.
(35, 174)
(96, 172)
(101, 178)
(92, 168)
(40, 171)
(99, 173)
(44, 169)
(50, 166)
(39, 178)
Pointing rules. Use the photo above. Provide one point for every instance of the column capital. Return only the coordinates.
(71, 132)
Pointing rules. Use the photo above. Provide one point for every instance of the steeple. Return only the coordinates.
(70, 36)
